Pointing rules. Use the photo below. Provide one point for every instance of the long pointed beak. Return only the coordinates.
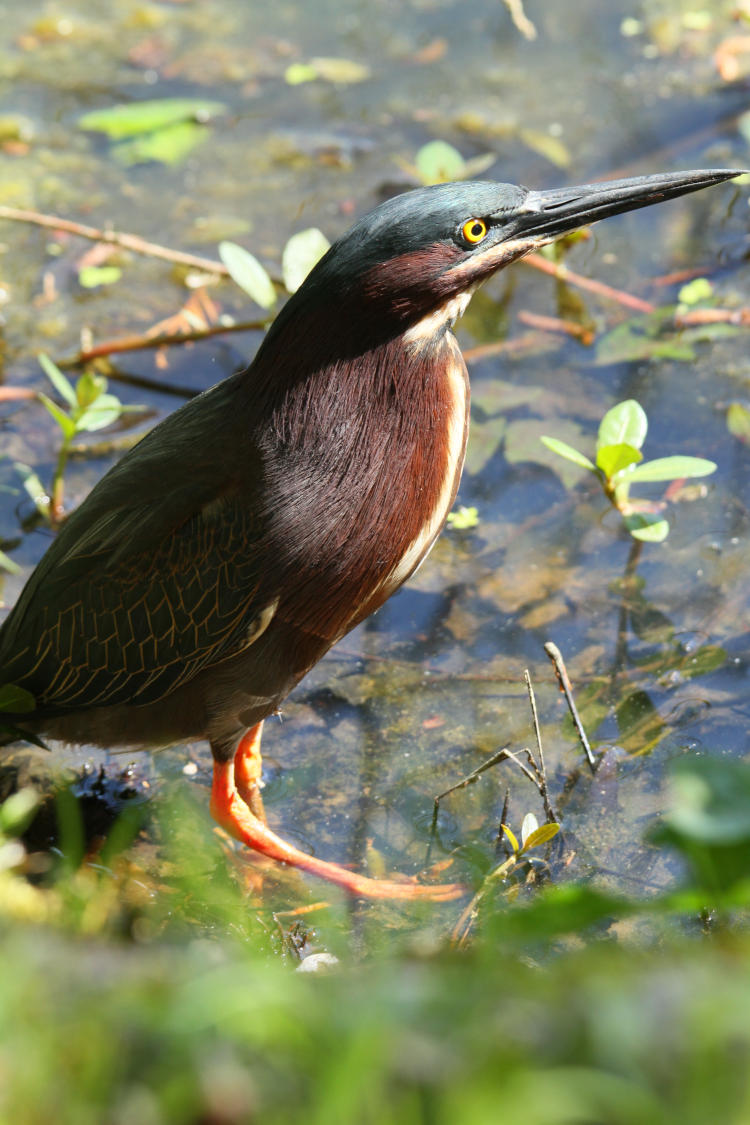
(547, 214)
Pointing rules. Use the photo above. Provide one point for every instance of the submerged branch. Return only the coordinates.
(115, 238)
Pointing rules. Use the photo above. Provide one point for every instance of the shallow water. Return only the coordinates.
(421, 693)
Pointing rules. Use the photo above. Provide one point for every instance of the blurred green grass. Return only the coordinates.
(143, 987)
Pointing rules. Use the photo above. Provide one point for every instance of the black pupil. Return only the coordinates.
(476, 230)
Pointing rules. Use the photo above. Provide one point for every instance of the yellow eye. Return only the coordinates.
(474, 230)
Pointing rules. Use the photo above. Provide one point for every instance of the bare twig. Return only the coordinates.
(679, 277)
(739, 317)
(115, 238)
(562, 273)
(470, 778)
(581, 332)
(16, 394)
(553, 652)
(529, 342)
(137, 343)
(540, 769)
(500, 839)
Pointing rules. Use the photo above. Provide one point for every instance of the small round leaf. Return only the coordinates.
(247, 272)
(625, 423)
(301, 253)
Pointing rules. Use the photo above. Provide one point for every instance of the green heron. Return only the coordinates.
(211, 568)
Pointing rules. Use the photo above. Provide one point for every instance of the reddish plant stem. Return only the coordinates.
(116, 238)
(562, 273)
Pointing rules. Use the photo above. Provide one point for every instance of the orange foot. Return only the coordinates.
(235, 789)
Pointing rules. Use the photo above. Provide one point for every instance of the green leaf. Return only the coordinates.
(670, 468)
(738, 421)
(66, 424)
(166, 146)
(708, 658)
(303, 251)
(711, 800)
(298, 73)
(462, 519)
(247, 272)
(90, 277)
(540, 836)
(34, 488)
(568, 452)
(106, 410)
(438, 162)
(648, 527)
(611, 459)
(139, 118)
(16, 699)
(60, 382)
(511, 837)
(17, 810)
(344, 72)
(88, 388)
(700, 289)
(7, 563)
(709, 819)
(642, 338)
(625, 423)
(569, 908)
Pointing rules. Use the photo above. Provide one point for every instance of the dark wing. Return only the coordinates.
(160, 572)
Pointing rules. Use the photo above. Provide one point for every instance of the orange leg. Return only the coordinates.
(231, 809)
(248, 767)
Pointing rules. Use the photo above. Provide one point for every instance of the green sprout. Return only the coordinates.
(620, 464)
(88, 407)
(532, 836)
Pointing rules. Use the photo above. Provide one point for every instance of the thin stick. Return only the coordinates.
(555, 324)
(541, 770)
(562, 273)
(677, 277)
(500, 839)
(470, 778)
(535, 719)
(553, 652)
(115, 238)
(298, 911)
(530, 341)
(712, 316)
(137, 343)
(16, 394)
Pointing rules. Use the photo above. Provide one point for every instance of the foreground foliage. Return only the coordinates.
(131, 1001)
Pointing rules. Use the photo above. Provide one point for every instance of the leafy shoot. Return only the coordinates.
(619, 464)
